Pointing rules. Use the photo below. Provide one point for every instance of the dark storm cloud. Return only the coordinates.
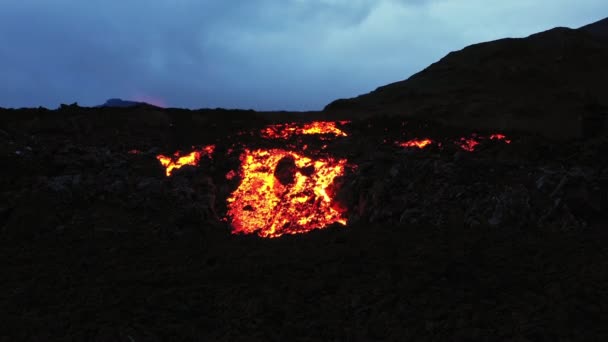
(262, 54)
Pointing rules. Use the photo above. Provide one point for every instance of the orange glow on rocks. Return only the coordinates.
(289, 190)
(323, 127)
(500, 137)
(230, 175)
(178, 160)
(285, 131)
(283, 192)
(420, 143)
(468, 144)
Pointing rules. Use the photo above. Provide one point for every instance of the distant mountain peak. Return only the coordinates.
(120, 103)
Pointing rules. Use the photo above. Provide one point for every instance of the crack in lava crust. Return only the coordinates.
(178, 160)
(270, 203)
(285, 131)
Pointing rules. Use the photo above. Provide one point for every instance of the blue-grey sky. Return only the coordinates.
(259, 54)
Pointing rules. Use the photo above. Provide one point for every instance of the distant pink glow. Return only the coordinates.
(150, 100)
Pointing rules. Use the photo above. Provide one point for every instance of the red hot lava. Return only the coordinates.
(285, 131)
(500, 137)
(283, 192)
(468, 144)
(420, 143)
(178, 160)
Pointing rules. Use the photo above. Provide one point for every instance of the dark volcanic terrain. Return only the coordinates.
(553, 83)
(455, 232)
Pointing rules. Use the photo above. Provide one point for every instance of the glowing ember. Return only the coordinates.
(500, 137)
(134, 151)
(285, 131)
(416, 143)
(283, 192)
(230, 175)
(208, 150)
(468, 144)
(178, 160)
(323, 127)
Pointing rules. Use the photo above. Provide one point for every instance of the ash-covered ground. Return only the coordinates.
(504, 242)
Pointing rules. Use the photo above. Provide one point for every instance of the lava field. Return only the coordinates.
(142, 224)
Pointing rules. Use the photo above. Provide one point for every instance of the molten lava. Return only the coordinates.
(323, 127)
(420, 143)
(500, 137)
(468, 144)
(283, 192)
(177, 161)
(285, 131)
(230, 175)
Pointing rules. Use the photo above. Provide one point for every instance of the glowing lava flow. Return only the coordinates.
(415, 143)
(282, 192)
(500, 137)
(323, 127)
(285, 131)
(178, 160)
(468, 144)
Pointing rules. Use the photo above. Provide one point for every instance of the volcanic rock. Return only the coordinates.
(504, 242)
(551, 83)
(598, 29)
(285, 170)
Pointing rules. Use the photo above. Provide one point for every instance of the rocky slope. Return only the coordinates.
(442, 244)
(469, 238)
(551, 83)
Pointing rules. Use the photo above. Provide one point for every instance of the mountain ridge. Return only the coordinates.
(120, 103)
(550, 83)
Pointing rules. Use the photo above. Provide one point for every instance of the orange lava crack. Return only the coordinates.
(178, 160)
(283, 192)
(467, 144)
(420, 143)
(285, 131)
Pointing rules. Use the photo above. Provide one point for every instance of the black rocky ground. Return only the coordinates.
(505, 243)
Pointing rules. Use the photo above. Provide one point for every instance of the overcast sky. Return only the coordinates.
(258, 54)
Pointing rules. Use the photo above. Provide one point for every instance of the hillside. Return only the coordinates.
(140, 223)
(551, 83)
(463, 238)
